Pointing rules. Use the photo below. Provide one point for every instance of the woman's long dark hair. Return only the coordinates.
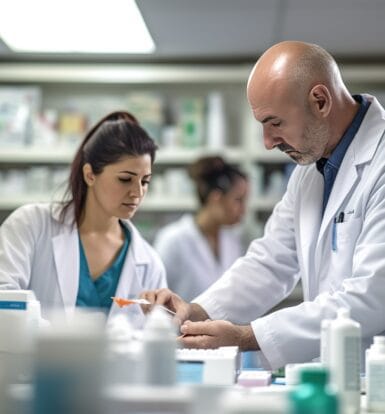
(113, 137)
(213, 173)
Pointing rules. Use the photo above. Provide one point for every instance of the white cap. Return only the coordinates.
(325, 323)
(379, 340)
(343, 313)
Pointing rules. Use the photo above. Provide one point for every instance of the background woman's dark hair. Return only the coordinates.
(213, 173)
(113, 137)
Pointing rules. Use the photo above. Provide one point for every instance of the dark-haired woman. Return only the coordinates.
(84, 250)
(196, 250)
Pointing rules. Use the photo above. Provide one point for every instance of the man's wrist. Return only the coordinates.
(247, 339)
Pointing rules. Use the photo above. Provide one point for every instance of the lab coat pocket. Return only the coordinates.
(341, 260)
(347, 232)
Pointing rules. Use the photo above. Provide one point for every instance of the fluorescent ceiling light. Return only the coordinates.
(74, 26)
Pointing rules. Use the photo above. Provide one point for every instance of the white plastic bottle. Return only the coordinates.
(375, 375)
(159, 349)
(216, 121)
(344, 352)
(325, 342)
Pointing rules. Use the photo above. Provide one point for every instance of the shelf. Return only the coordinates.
(64, 154)
(35, 155)
(154, 73)
(184, 155)
(262, 203)
(122, 73)
(150, 203)
(172, 203)
(12, 202)
(273, 156)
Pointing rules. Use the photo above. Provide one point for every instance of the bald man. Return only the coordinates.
(328, 230)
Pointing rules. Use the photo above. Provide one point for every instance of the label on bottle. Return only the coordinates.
(352, 363)
(376, 379)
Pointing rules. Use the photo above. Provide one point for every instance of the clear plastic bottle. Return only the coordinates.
(159, 346)
(313, 395)
(344, 352)
(375, 375)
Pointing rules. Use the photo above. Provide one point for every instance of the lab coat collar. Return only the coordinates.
(360, 151)
(140, 256)
(66, 254)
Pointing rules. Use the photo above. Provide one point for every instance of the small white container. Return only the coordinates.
(159, 349)
(216, 121)
(375, 375)
(325, 342)
(345, 343)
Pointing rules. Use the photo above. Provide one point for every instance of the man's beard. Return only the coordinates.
(317, 136)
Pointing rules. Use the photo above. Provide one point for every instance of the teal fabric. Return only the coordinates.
(97, 293)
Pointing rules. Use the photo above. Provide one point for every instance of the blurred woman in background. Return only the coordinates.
(197, 249)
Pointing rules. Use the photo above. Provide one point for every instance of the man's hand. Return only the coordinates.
(183, 310)
(213, 334)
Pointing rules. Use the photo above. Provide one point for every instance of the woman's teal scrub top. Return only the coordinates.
(97, 293)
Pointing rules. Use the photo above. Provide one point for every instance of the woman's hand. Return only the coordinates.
(213, 334)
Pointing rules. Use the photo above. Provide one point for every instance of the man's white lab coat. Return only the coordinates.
(298, 244)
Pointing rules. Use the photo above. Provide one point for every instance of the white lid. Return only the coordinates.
(325, 323)
(379, 340)
(343, 313)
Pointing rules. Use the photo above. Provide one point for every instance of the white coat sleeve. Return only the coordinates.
(264, 276)
(18, 237)
(293, 334)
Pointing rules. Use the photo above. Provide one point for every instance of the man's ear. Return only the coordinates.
(88, 174)
(320, 100)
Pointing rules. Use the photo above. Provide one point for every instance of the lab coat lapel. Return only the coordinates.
(66, 254)
(360, 151)
(343, 186)
(132, 272)
(310, 210)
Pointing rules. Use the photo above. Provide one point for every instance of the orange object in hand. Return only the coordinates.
(121, 302)
(126, 302)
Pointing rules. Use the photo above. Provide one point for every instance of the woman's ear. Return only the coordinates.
(320, 100)
(88, 174)
(215, 196)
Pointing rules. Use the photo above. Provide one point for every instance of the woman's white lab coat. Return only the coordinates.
(298, 244)
(189, 260)
(38, 252)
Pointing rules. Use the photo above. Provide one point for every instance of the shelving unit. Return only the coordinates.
(65, 82)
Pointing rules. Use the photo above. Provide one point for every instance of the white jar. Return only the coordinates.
(159, 346)
(344, 352)
(375, 375)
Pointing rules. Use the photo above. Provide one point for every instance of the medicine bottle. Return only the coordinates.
(344, 362)
(313, 395)
(375, 375)
(325, 342)
(159, 346)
